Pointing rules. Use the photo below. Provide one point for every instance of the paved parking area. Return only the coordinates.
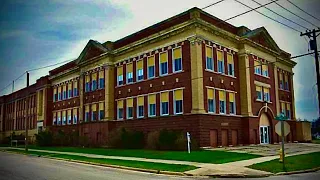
(273, 149)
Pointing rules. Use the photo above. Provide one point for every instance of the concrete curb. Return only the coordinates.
(239, 176)
(107, 165)
(298, 172)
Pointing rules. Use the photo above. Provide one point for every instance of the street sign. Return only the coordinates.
(286, 128)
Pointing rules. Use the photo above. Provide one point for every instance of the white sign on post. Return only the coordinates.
(188, 141)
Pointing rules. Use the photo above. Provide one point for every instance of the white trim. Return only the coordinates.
(212, 58)
(174, 59)
(219, 89)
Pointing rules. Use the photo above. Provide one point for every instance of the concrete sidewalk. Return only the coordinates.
(232, 169)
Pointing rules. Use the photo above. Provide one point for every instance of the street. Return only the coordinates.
(22, 167)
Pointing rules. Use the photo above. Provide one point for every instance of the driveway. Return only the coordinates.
(273, 149)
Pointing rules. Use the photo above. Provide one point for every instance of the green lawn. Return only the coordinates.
(215, 157)
(126, 163)
(292, 163)
(316, 141)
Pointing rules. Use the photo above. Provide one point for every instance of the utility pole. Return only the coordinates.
(26, 120)
(313, 45)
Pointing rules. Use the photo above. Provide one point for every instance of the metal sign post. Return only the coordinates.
(282, 138)
(188, 141)
(285, 130)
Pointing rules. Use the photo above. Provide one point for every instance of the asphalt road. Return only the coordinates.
(22, 167)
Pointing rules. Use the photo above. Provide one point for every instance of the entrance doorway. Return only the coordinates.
(264, 135)
(264, 129)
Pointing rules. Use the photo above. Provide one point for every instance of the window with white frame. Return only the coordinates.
(87, 113)
(266, 94)
(59, 119)
(151, 67)
(286, 82)
(64, 118)
(222, 102)
(69, 90)
(101, 111)
(129, 108)
(75, 88)
(54, 94)
(152, 105)
(64, 92)
(283, 108)
(69, 119)
(93, 112)
(129, 70)
(178, 101)
(163, 63)
(209, 58)
(140, 106)
(94, 84)
(101, 79)
(87, 84)
(220, 61)
(259, 93)
(265, 71)
(75, 116)
(211, 100)
(54, 122)
(120, 109)
(289, 110)
(257, 67)
(177, 59)
(281, 80)
(232, 103)
(164, 98)
(120, 75)
(139, 70)
(230, 63)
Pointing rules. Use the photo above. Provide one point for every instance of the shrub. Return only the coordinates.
(44, 138)
(153, 140)
(167, 139)
(123, 138)
(181, 143)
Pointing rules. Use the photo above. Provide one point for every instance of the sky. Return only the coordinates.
(37, 33)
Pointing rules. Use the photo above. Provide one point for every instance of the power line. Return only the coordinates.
(281, 16)
(212, 4)
(296, 14)
(249, 10)
(267, 16)
(43, 67)
(303, 10)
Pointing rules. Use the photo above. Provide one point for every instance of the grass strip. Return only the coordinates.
(292, 163)
(202, 156)
(126, 163)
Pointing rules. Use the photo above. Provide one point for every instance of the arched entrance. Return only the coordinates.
(264, 129)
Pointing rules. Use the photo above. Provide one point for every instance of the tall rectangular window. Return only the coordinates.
(151, 67)
(211, 101)
(139, 70)
(286, 82)
(266, 94)
(178, 101)
(163, 63)
(129, 70)
(259, 92)
(140, 106)
(152, 105)
(265, 71)
(87, 114)
(222, 102)
(230, 63)
(87, 87)
(75, 88)
(257, 67)
(101, 111)
(54, 122)
(120, 75)
(69, 116)
(59, 118)
(101, 79)
(281, 80)
(69, 90)
(283, 108)
(94, 112)
(164, 98)
(209, 58)
(232, 103)
(64, 118)
(59, 93)
(54, 94)
(94, 84)
(288, 111)
(220, 61)
(64, 92)
(129, 108)
(177, 59)
(120, 109)
(75, 116)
